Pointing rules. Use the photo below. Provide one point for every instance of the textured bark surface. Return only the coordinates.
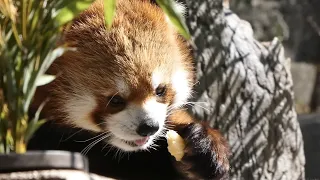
(245, 90)
(297, 23)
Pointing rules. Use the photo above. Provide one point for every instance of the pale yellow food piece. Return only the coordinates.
(176, 144)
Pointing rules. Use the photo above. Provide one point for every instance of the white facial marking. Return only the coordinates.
(122, 87)
(156, 111)
(79, 108)
(156, 79)
(181, 86)
(124, 124)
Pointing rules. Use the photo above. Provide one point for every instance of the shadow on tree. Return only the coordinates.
(245, 89)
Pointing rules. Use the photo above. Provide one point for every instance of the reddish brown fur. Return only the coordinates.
(139, 42)
(221, 147)
(104, 55)
(181, 119)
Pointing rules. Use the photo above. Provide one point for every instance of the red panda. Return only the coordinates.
(127, 84)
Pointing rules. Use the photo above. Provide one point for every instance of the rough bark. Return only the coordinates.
(297, 22)
(245, 90)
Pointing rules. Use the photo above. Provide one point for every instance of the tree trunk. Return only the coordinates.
(245, 90)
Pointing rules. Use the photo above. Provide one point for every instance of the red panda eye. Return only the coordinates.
(161, 90)
(117, 101)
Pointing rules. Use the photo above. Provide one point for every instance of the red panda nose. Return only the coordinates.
(147, 127)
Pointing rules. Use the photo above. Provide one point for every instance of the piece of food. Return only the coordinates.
(176, 144)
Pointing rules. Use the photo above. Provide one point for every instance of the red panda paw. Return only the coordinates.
(206, 153)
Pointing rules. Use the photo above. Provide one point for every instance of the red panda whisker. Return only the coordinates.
(147, 149)
(151, 147)
(197, 102)
(106, 145)
(119, 154)
(116, 153)
(111, 99)
(61, 140)
(154, 146)
(129, 155)
(89, 147)
(197, 82)
(110, 149)
(192, 104)
(100, 134)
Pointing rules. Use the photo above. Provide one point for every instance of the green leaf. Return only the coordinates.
(71, 10)
(43, 68)
(109, 11)
(44, 79)
(33, 126)
(53, 55)
(35, 123)
(174, 16)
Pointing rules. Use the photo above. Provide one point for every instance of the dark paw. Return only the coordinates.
(206, 152)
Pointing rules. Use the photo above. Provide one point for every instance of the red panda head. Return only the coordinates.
(123, 81)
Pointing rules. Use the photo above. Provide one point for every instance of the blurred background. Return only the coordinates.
(297, 23)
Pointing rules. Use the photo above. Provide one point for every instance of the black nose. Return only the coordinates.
(147, 128)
